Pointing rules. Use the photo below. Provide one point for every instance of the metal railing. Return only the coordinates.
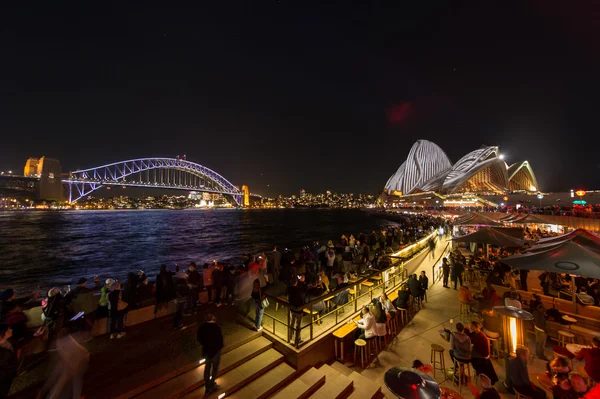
(392, 275)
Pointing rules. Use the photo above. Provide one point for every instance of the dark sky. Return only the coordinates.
(303, 94)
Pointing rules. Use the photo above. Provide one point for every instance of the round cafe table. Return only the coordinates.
(569, 320)
(449, 393)
(575, 348)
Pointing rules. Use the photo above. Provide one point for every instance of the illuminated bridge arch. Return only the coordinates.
(171, 173)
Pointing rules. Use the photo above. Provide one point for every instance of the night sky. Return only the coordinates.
(303, 94)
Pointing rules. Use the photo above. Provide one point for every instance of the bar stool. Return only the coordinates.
(439, 351)
(494, 347)
(565, 338)
(392, 324)
(372, 343)
(464, 370)
(361, 345)
(465, 309)
(403, 315)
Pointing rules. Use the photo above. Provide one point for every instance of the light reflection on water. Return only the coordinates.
(54, 248)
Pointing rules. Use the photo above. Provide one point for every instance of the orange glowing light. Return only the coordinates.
(505, 198)
(580, 193)
(513, 335)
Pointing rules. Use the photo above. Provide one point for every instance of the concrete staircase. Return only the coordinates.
(255, 370)
(334, 381)
(238, 367)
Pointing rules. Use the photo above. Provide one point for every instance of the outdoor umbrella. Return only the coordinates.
(568, 257)
(477, 219)
(411, 384)
(531, 219)
(575, 234)
(491, 236)
(511, 218)
(579, 236)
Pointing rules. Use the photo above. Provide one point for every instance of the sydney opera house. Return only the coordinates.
(428, 169)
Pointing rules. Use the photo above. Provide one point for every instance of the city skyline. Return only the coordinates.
(279, 96)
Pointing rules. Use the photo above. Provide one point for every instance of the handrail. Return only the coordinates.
(421, 242)
(396, 279)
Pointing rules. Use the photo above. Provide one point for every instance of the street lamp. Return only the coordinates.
(540, 196)
(513, 333)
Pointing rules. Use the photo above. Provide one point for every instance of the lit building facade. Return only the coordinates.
(427, 169)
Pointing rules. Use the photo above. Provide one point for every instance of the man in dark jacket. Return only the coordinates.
(480, 354)
(211, 338)
(446, 271)
(457, 271)
(415, 287)
(518, 376)
(403, 298)
(296, 300)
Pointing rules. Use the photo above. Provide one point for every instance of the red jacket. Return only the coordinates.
(592, 362)
(480, 342)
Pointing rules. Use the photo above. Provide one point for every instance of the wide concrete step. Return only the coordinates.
(266, 384)
(339, 367)
(337, 386)
(242, 375)
(303, 386)
(194, 378)
(364, 388)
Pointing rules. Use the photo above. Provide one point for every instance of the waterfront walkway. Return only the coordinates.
(414, 340)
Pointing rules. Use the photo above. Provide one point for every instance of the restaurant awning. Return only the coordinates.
(491, 236)
(571, 256)
(512, 217)
(473, 218)
(534, 219)
(516, 232)
(571, 235)
(579, 236)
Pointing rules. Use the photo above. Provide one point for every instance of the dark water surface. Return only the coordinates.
(54, 248)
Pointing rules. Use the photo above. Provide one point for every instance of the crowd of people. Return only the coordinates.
(302, 276)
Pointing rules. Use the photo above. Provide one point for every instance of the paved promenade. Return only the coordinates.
(414, 341)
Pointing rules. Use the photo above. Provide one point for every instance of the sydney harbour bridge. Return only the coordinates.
(44, 178)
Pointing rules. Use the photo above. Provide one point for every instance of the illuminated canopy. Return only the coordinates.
(427, 168)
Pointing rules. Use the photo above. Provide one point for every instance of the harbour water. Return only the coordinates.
(43, 249)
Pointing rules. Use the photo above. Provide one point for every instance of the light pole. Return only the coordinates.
(540, 196)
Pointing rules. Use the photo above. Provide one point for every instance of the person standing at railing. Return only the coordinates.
(445, 271)
(457, 271)
(424, 282)
(296, 300)
(258, 297)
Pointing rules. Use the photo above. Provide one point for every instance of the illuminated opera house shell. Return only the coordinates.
(427, 168)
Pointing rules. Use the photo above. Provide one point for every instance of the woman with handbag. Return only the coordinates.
(261, 304)
(116, 307)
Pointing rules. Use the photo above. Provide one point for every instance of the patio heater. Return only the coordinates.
(513, 333)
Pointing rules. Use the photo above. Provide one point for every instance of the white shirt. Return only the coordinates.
(367, 323)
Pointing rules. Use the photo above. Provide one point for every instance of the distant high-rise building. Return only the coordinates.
(302, 193)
